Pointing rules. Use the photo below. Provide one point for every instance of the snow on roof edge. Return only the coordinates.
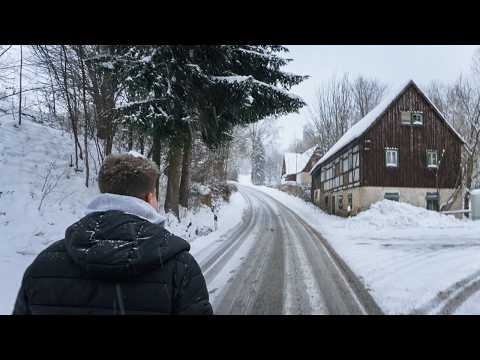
(297, 161)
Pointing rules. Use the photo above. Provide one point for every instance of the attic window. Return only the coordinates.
(406, 117)
(417, 118)
(410, 118)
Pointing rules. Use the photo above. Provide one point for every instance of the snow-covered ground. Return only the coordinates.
(27, 154)
(410, 258)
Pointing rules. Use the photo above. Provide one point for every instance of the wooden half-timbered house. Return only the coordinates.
(403, 150)
(296, 167)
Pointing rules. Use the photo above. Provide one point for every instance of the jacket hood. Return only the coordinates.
(127, 204)
(116, 245)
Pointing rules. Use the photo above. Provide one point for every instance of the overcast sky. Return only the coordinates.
(391, 64)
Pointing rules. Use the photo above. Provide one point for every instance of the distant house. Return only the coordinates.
(403, 150)
(296, 167)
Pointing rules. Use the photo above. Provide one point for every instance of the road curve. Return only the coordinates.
(289, 268)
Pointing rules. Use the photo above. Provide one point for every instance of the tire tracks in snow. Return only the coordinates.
(256, 287)
(450, 299)
(232, 240)
(345, 294)
(291, 269)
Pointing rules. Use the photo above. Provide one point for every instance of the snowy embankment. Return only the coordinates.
(34, 164)
(202, 220)
(409, 258)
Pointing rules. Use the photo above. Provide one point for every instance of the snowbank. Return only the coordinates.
(387, 213)
(196, 223)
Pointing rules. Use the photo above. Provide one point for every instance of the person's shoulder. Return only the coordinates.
(55, 247)
(185, 257)
(171, 244)
(49, 259)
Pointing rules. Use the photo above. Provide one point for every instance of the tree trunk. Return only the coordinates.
(107, 91)
(85, 115)
(173, 175)
(75, 110)
(468, 182)
(69, 107)
(102, 88)
(53, 94)
(130, 138)
(141, 140)
(20, 100)
(108, 144)
(156, 154)
(186, 171)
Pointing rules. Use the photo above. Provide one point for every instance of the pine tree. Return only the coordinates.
(210, 89)
(258, 164)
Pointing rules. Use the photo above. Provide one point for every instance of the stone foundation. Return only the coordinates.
(363, 197)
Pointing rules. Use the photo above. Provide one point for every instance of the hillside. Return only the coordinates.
(35, 169)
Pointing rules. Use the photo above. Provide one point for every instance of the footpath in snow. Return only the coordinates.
(410, 259)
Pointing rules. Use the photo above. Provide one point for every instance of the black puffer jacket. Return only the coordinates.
(114, 263)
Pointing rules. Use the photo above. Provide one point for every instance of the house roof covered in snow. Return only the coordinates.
(368, 120)
(295, 163)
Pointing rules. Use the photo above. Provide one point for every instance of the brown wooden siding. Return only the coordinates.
(412, 143)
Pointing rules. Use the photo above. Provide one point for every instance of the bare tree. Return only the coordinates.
(460, 103)
(332, 114)
(468, 96)
(20, 92)
(339, 105)
(50, 182)
(367, 93)
(81, 55)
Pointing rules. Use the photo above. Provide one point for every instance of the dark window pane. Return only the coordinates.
(392, 196)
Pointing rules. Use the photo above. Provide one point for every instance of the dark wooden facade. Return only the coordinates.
(344, 169)
(413, 143)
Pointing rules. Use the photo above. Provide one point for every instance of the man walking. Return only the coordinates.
(118, 259)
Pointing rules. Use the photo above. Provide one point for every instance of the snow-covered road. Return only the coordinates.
(412, 261)
(273, 262)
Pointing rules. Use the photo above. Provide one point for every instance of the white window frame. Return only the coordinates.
(388, 163)
(416, 123)
(429, 164)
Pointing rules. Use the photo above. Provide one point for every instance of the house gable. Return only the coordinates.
(412, 143)
(361, 127)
